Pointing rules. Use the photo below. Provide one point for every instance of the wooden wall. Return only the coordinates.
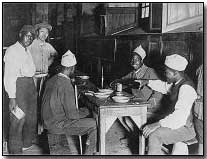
(94, 52)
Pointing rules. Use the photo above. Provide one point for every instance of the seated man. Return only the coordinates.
(178, 125)
(59, 110)
(140, 71)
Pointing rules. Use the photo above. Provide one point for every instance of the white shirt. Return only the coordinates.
(186, 98)
(41, 53)
(18, 63)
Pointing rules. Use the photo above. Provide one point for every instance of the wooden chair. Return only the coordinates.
(76, 101)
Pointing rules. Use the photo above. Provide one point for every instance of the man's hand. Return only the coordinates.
(142, 82)
(12, 104)
(148, 129)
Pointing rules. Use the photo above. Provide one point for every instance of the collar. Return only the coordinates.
(41, 43)
(143, 66)
(63, 75)
(21, 46)
(178, 81)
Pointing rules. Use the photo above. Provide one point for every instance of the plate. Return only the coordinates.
(84, 77)
(105, 90)
(121, 99)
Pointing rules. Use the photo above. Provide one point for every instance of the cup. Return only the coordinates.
(119, 87)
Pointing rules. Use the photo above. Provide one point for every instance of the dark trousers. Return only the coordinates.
(21, 132)
(81, 127)
(199, 129)
(168, 136)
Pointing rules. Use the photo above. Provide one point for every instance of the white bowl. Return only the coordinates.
(121, 99)
(84, 77)
(105, 90)
(101, 95)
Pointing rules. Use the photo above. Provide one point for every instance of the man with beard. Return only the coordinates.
(178, 125)
(59, 110)
(19, 84)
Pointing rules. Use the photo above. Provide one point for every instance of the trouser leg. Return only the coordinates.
(29, 129)
(26, 96)
(168, 136)
(81, 127)
(154, 144)
(91, 141)
(15, 135)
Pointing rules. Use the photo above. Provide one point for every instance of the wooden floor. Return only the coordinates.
(113, 144)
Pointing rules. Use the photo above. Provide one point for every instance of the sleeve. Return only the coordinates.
(69, 102)
(53, 52)
(128, 76)
(152, 74)
(11, 73)
(178, 118)
(159, 86)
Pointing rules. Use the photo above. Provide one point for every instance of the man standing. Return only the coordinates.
(59, 110)
(19, 84)
(42, 52)
(178, 125)
(43, 55)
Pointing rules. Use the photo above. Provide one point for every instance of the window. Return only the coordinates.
(145, 10)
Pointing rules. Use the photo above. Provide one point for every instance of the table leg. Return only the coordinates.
(105, 124)
(102, 123)
(140, 120)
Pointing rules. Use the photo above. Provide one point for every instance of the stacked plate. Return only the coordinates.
(121, 99)
(103, 93)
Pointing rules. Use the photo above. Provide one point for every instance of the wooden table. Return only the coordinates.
(107, 112)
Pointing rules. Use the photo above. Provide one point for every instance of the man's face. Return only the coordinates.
(27, 39)
(136, 61)
(43, 34)
(170, 75)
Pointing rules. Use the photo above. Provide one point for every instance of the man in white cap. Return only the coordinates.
(177, 126)
(59, 110)
(140, 71)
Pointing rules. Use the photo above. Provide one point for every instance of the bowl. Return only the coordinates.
(101, 95)
(84, 77)
(121, 99)
(109, 91)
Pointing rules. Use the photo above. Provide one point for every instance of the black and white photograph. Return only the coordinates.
(103, 78)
